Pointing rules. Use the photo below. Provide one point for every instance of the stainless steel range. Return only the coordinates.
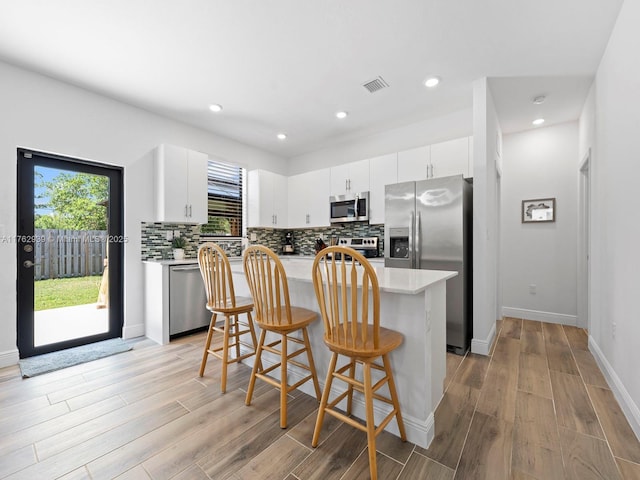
(367, 246)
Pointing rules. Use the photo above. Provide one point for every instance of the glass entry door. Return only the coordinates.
(69, 248)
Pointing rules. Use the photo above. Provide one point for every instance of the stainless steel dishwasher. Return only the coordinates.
(187, 300)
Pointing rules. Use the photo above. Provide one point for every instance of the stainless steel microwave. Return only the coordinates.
(349, 208)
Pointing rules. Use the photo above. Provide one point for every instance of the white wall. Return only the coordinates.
(540, 163)
(43, 114)
(615, 225)
(454, 125)
(486, 147)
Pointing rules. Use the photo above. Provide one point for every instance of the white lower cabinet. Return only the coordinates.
(309, 199)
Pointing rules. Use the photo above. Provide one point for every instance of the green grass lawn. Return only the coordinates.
(66, 292)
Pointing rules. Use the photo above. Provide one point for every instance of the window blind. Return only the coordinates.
(224, 199)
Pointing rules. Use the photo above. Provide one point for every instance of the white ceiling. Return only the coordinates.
(289, 65)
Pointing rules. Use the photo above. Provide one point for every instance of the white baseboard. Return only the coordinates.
(629, 407)
(538, 315)
(133, 331)
(483, 346)
(9, 358)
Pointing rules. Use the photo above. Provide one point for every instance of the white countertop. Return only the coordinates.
(392, 280)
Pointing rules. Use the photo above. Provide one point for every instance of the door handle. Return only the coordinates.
(190, 211)
(28, 264)
(418, 240)
(411, 235)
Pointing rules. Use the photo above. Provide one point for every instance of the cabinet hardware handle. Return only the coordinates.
(185, 210)
(276, 217)
(345, 184)
(349, 184)
(190, 211)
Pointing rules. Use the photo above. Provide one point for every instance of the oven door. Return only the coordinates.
(349, 208)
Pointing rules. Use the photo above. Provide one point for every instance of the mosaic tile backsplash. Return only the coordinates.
(304, 239)
(155, 245)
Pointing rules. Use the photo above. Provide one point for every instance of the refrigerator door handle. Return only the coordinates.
(411, 239)
(418, 240)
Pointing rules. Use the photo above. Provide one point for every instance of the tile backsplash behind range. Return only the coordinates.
(304, 238)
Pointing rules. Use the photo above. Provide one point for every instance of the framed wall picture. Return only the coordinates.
(539, 210)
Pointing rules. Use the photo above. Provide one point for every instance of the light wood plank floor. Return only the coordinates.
(537, 408)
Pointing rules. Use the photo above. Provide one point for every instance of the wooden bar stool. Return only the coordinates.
(221, 299)
(349, 300)
(270, 291)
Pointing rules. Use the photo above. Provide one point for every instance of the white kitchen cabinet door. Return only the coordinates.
(309, 199)
(383, 170)
(197, 187)
(350, 178)
(266, 199)
(180, 185)
(450, 158)
(414, 164)
(280, 200)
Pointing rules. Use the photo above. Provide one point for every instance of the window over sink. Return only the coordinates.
(224, 199)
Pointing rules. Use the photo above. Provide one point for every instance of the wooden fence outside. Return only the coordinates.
(69, 253)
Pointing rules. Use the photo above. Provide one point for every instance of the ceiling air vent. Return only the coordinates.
(376, 84)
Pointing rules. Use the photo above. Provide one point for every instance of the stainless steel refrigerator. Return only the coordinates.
(428, 225)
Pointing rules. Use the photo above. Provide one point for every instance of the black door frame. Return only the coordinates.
(27, 160)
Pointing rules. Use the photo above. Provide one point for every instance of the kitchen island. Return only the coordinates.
(412, 302)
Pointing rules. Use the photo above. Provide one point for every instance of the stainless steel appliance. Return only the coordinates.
(367, 246)
(428, 225)
(349, 208)
(187, 300)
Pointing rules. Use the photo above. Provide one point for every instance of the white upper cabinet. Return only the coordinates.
(453, 157)
(350, 178)
(180, 185)
(450, 158)
(309, 199)
(414, 164)
(266, 199)
(383, 170)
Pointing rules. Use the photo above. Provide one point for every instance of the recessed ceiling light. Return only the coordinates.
(432, 82)
(342, 115)
(538, 121)
(539, 99)
(282, 136)
(215, 107)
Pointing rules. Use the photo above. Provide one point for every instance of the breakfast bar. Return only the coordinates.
(413, 303)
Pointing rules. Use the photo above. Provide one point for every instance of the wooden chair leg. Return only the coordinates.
(352, 375)
(236, 329)
(207, 344)
(324, 400)
(283, 382)
(312, 366)
(252, 331)
(252, 380)
(371, 426)
(394, 396)
(225, 353)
